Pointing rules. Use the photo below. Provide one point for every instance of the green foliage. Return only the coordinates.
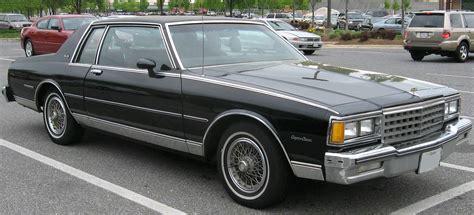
(9, 34)
(406, 4)
(333, 35)
(396, 5)
(387, 4)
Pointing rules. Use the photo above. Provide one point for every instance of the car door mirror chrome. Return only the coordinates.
(147, 64)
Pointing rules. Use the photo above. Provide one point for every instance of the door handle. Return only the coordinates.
(96, 71)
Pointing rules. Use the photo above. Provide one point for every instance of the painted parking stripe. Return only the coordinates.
(121, 191)
(452, 76)
(454, 166)
(436, 199)
(6, 59)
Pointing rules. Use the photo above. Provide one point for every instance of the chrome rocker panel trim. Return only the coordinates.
(158, 139)
(346, 167)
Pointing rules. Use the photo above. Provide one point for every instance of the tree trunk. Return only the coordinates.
(328, 23)
(403, 17)
(346, 26)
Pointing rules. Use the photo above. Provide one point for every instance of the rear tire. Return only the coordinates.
(29, 49)
(308, 52)
(252, 166)
(417, 56)
(462, 52)
(59, 123)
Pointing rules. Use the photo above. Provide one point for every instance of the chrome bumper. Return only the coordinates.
(307, 45)
(7, 94)
(387, 161)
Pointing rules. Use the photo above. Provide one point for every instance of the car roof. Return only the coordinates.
(166, 19)
(67, 16)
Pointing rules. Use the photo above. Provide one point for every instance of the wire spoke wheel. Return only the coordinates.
(247, 166)
(56, 116)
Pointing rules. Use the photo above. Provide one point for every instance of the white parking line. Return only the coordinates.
(454, 166)
(6, 59)
(452, 76)
(121, 191)
(436, 199)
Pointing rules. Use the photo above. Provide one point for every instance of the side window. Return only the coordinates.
(469, 20)
(124, 46)
(89, 49)
(2, 18)
(53, 22)
(456, 21)
(390, 21)
(279, 15)
(270, 15)
(43, 24)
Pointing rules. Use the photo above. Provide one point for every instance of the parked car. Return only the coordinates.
(354, 19)
(319, 20)
(211, 13)
(304, 41)
(365, 25)
(263, 112)
(48, 33)
(442, 33)
(281, 16)
(392, 24)
(13, 21)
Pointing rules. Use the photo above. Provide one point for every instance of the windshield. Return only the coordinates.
(229, 44)
(76, 22)
(428, 21)
(281, 26)
(17, 18)
(354, 16)
(319, 17)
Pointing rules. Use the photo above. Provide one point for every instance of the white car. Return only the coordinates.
(306, 42)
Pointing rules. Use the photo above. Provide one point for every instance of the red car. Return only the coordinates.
(48, 33)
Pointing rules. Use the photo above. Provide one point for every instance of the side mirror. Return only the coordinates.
(57, 28)
(147, 64)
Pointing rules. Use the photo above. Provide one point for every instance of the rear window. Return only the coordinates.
(428, 21)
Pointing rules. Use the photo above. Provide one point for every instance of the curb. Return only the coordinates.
(9, 39)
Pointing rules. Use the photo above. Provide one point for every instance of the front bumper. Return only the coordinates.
(307, 45)
(7, 94)
(388, 161)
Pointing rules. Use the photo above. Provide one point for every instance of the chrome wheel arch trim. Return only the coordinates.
(56, 85)
(262, 120)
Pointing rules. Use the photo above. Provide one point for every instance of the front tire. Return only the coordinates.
(59, 123)
(462, 52)
(417, 56)
(308, 52)
(29, 50)
(252, 167)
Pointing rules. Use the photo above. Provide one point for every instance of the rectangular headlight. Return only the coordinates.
(342, 131)
(351, 130)
(453, 107)
(367, 127)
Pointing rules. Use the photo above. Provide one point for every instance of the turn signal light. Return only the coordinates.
(446, 34)
(337, 132)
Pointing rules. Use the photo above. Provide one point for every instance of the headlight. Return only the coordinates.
(350, 22)
(344, 131)
(295, 39)
(451, 108)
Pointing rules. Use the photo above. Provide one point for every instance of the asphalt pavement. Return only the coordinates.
(106, 174)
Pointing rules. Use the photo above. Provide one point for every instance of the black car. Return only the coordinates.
(235, 92)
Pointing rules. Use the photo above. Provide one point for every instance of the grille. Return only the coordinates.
(310, 39)
(413, 123)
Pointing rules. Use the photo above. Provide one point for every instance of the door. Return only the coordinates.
(469, 23)
(390, 24)
(38, 37)
(54, 36)
(119, 92)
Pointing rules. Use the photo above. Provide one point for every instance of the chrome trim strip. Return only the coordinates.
(73, 96)
(307, 170)
(134, 107)
(28, 86)
(141, 71)
(254, 116)
(195, 148)
(55, 84)
(26, 102)
(132, 132)
(101, 42)
(234, 64)
(81, 40)
(256, 90)
(195, 118)
(173, 47)
(84, 65)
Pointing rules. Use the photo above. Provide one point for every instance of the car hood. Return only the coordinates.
(21, 23)
(336, 87)
(297, 34)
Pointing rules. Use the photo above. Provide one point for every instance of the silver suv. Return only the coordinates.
(13, 21)
(446, 33)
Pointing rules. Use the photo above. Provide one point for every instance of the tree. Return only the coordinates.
(143, 5)
(395, 6)
(406, 4)
(346, 26)
(387, 5)
(313, 7)
(328, 23)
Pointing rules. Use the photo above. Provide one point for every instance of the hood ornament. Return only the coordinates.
(413, 90)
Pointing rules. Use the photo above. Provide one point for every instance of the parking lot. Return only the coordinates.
(105, 174)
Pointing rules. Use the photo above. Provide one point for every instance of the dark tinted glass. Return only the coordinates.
(43, 24)
(469, 20)
(455, 20)
(89, 49)
(428, 21)
(53, 22)
(124, 46)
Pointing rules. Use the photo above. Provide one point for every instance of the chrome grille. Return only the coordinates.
(413, 123)
(314, 39)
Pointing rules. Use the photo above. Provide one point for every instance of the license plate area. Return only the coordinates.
(424, 35)
(429, 160)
